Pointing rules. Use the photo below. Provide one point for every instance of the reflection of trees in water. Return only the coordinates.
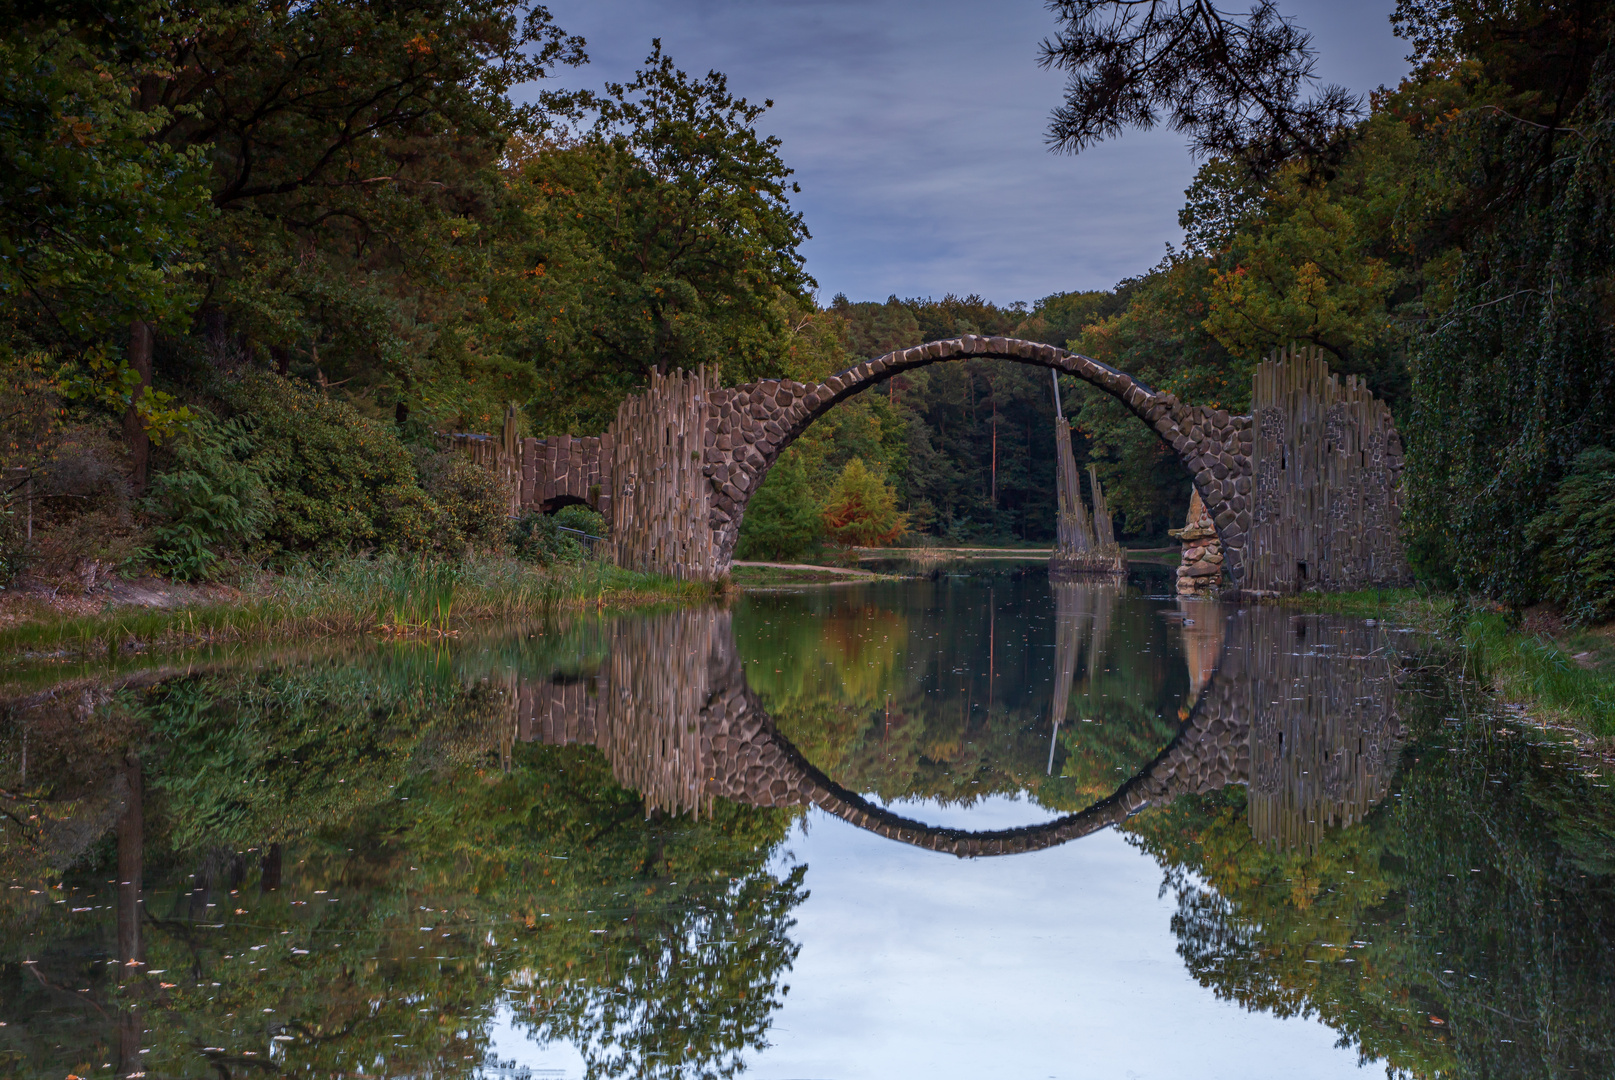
(966, 709)
(1461, 928)
(414, 807)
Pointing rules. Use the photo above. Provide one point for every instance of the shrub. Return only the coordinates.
(84, 523)
(582, 518)
(13, 546)
(210, 499)
(1576, 540)
(537, 538)
(473, 503)
(337, 480)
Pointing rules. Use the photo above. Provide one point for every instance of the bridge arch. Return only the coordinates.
(753, 763)
(748, 427)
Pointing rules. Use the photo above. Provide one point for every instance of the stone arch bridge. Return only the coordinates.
(1302, 709)
(674, 473)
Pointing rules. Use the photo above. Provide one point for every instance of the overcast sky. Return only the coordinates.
(917, 133)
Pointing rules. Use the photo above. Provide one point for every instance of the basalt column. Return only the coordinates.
(660, 516)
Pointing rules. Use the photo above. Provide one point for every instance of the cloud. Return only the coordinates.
(917, 134)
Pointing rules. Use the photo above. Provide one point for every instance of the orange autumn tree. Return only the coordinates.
(862, 509)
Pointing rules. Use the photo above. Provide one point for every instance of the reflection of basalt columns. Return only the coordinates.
(1082, 613)
(673, 714)
(1321, 696)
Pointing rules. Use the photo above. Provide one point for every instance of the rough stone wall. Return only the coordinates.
(750, 425)
(746, 428)
(558, 470)
(1200, 567)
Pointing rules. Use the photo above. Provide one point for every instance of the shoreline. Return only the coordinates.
(1557, 679)
(391, 598)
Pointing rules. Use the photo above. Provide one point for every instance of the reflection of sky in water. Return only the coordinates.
(1058, 964)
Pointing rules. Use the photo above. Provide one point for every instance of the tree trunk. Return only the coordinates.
(269, 869)
(131, 969)
(134, 428)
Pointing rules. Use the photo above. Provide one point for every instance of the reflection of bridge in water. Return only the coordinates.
(1311, 700)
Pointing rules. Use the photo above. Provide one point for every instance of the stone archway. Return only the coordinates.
(1309, 501)
(745, 428)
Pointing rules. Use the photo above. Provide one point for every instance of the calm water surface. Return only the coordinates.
(984, 825)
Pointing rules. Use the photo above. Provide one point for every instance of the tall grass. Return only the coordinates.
(396, 595)
(1541, 672)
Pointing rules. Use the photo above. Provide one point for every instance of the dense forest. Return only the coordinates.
(254, 256)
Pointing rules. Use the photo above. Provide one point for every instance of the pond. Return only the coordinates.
(976, 824)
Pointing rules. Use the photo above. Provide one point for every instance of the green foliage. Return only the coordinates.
(209, 499)
(661, 239)
(1576, 537)
(783, 520)
(859, 699)
(98, 214)
(861, 510)
(655, 945)
(473, 504)
(1158, 335)
(1303, 274)
(14, 546)
(1489, 858)
(584, 519)
(1517, 377)
(537, 538)
(338, 481)
(355, 179)
(1536, 669)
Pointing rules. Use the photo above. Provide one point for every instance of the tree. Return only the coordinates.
(1303, 274)
(1233, 85)
(662, 238)
(862, 510)
(1516, 375)
(782, 519)
(351, 145)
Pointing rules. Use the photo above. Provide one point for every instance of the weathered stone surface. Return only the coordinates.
(752, 424)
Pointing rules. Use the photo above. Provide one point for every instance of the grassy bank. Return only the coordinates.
(391, 595)
(1563, 678)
